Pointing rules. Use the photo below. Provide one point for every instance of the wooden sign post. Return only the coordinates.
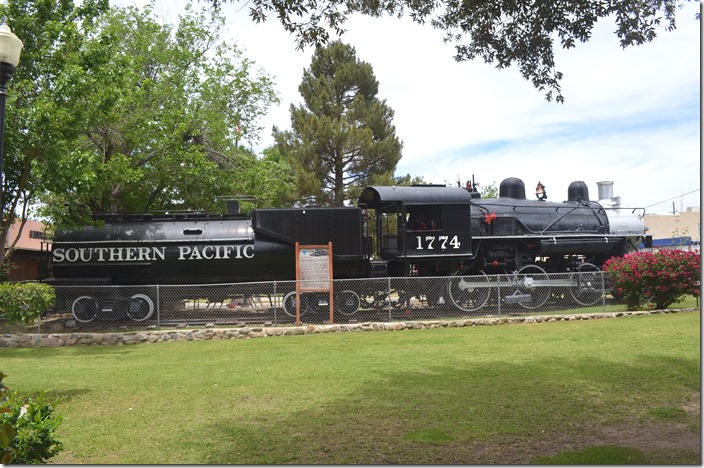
(313, 273)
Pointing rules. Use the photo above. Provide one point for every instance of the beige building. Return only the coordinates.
(672, 230)
(27, 252)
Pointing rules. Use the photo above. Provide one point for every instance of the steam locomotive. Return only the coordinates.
(425, 231)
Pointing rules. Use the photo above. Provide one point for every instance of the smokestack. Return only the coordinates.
(606, 190)
(606, 194)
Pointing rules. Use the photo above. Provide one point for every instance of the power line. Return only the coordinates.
(673, 198)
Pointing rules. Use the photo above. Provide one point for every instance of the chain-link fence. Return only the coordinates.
(108, 308)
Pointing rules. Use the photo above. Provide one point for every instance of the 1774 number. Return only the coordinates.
(443, 242)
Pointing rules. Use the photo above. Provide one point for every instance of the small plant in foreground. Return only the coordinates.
(27, 428)
(661, 277)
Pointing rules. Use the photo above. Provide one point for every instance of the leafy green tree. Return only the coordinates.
(171, 138)
(343, 136)
(490, 191)
(405, 180)
(505, 33)
(110, 110)
(49, 100)
(272, 180)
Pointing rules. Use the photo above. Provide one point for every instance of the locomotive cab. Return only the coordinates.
(419, 230)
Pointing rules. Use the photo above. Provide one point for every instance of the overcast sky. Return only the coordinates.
(631, 116)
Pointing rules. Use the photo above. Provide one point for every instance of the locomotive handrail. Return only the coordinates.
(618, 208)
(557, 219)
(558, 235)
(567, 213)
(541, 232)
(436, 255)
(634, 210)
(544, 229)
(169, 215)
(589, 205)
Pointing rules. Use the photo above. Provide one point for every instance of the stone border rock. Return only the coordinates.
(161, 336)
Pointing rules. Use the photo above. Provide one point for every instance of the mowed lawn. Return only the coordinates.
(624, 390)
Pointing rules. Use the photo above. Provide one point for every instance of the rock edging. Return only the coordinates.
(37, 340)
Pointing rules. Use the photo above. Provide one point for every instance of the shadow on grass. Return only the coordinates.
(59, 396)
(500, 413)
(51, 352)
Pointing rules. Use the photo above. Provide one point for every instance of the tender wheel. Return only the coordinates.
(588, 284)
(290, 304)
(347, 302)
(309, 303)
(527, 278)
(469, 292)
(141, 307)
(85, 309)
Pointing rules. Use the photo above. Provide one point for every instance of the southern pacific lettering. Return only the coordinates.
(215, 252)
(149, 254)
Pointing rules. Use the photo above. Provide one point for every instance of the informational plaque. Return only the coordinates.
(315, 264)
(313, 273)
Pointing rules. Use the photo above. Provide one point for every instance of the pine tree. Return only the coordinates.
(343, 135)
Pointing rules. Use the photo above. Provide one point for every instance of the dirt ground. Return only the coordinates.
(645, 437)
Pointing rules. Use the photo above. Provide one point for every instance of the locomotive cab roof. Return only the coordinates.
(383, 197)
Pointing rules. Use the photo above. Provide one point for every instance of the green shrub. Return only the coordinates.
(25, 302)
(661, 277)
(27, 428)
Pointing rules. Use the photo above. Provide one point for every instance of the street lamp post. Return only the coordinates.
(10, 48)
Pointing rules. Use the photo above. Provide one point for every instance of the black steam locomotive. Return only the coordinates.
(424, 231)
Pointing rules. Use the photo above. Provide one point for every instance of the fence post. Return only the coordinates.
(388, 295)
(275, 303)
(158, 307)
(498, 292)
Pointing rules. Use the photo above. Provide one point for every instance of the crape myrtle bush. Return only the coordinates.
(7, 266)
(27, 428)
(661, 278)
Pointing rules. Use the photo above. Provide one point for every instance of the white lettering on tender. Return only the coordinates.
(108, 254)
(148, 254)
(215, 252)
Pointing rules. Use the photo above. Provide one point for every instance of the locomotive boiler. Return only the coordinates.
(402, 232)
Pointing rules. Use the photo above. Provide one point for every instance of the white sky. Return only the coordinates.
(631, 116)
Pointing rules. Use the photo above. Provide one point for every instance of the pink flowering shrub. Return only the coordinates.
(661, 277)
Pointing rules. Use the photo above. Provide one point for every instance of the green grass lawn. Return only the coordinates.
(564, 392)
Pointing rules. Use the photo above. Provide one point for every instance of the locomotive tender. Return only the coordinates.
(425, 231)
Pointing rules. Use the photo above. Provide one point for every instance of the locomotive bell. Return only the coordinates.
(540, 192)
